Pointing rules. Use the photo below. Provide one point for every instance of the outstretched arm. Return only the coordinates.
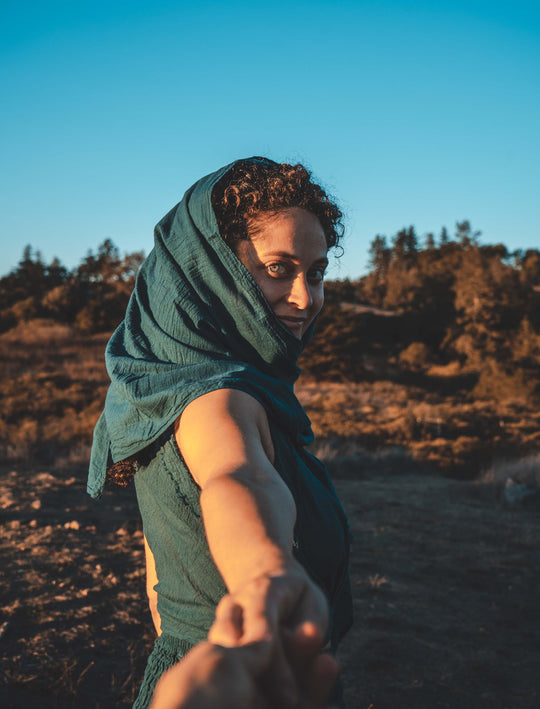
(249, 515)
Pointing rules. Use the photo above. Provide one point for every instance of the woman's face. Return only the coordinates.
(286, 255)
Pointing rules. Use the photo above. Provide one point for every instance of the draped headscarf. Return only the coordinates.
(196, 322)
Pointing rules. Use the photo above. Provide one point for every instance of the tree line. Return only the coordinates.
(91, 297)
(448, 302)
(447, 305)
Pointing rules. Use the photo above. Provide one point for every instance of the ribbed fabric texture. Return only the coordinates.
(167, 651)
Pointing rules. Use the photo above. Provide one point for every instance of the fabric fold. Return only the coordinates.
(196, 321)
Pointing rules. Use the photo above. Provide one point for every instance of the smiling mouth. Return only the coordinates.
(292, 323)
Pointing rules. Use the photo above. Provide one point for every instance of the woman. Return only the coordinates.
(201, 407)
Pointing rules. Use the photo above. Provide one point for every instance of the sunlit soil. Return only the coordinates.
(74, 621)
(445, 580)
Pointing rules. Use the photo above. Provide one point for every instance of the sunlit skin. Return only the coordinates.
(286, 254)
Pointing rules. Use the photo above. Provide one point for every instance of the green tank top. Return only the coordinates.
(189, 584)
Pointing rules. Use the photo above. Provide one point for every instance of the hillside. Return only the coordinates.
(436, 349)
(54, 384)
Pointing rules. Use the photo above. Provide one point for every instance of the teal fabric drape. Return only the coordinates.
(196, 321)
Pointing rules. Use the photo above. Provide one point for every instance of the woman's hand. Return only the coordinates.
(283, 598)
(279, 608)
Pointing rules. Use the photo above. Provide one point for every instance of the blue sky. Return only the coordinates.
(417, 113)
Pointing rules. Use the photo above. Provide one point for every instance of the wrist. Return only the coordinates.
(272, 564)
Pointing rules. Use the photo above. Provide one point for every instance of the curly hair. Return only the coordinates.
(258, 186)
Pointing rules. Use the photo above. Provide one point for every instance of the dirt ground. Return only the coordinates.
(445, 580)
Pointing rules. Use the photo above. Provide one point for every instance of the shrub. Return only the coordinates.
(500, 383)
(415, 356)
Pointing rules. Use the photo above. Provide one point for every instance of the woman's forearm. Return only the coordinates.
(249, 523)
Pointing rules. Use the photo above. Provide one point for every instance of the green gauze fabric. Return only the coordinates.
(196, 322)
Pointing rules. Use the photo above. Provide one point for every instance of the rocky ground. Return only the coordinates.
(445, 579)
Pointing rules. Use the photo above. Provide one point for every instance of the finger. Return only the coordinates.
(262, 605)
(302, 645)
(227, 629)
(307, 638)
(321, 678)
(278, 680)
(315, 672)
(290, 602)
(311, 606)
(260, 616)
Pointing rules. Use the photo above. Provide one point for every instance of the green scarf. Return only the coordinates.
(196, 322)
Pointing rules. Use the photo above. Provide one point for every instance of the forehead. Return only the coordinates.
(293, 230)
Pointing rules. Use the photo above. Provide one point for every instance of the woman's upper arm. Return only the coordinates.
(222, 432)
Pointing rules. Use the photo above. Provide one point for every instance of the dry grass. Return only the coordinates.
(38, 332)
(54, 384)
(459, 436)
(52, 389)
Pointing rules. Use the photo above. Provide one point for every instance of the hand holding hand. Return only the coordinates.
(214, 677)
(287, 609)
(285, 597)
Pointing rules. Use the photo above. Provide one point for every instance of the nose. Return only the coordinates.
(300, 294)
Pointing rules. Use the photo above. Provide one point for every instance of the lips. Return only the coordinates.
(292, 322)
(295, 325)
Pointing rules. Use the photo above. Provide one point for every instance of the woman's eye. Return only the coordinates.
(316, 275)
(277, 270)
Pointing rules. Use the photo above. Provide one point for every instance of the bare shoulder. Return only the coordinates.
(226, 407)
(223, 429)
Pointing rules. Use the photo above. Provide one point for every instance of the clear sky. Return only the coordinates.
(419, 113)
